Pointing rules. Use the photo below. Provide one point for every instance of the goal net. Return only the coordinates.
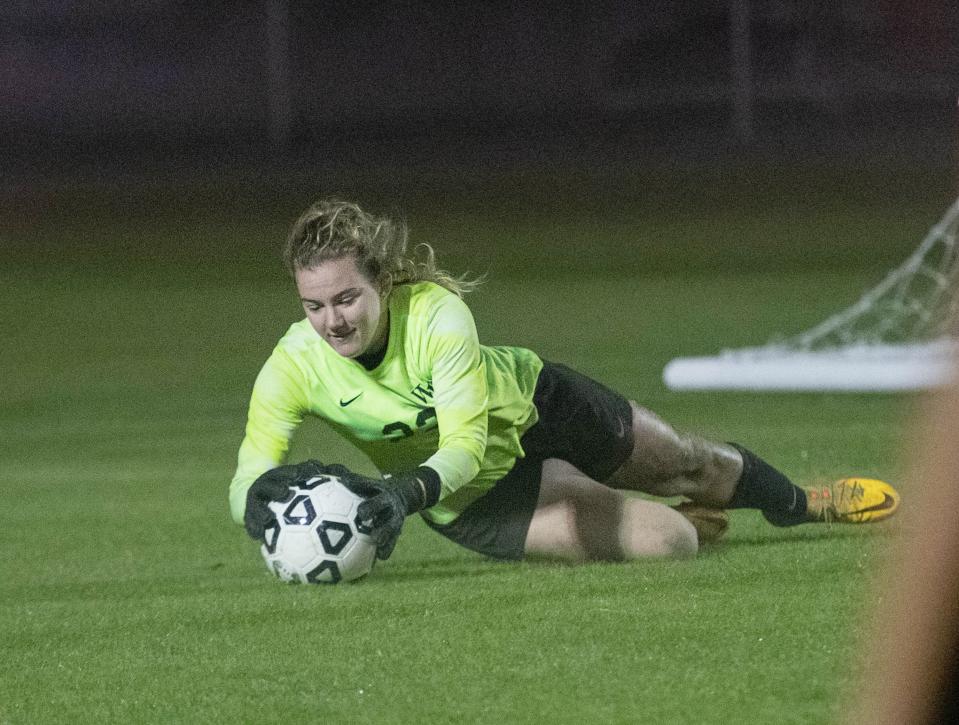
(895, 337)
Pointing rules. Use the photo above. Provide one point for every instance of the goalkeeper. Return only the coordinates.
(498, 450)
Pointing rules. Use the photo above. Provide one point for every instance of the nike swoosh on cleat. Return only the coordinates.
(887, 503)
(343, 403)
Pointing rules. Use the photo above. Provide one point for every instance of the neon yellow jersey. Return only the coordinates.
(438, 398)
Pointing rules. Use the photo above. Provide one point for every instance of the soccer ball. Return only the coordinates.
(318, 537)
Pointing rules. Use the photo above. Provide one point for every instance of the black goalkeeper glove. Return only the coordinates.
(274, 485)
(390, 501)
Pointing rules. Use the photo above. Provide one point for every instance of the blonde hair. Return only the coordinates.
(333, 228)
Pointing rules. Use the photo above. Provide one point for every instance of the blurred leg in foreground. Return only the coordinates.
(912, 670)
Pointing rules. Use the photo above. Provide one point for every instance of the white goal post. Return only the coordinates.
(897, 336)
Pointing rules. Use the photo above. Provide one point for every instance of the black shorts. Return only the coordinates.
(580, 421)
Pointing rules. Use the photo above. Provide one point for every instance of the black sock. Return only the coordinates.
(763, 487)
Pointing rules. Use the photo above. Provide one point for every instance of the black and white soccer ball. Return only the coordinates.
(318, 537)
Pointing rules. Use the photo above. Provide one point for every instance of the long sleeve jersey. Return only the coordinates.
(438, 398)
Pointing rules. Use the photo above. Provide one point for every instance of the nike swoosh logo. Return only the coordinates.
(344, 403)
(887, 503)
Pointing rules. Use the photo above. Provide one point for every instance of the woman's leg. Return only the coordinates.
(664, 462)
(578, 519)
(721, 475)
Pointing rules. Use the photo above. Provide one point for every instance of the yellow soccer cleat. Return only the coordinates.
(710, 524)
(852, 501)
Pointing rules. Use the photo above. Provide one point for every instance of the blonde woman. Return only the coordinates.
(498, 450)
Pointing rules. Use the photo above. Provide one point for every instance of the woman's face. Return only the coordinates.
(343, 306)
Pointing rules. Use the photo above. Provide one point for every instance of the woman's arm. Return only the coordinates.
(460, 393)
(277, 406)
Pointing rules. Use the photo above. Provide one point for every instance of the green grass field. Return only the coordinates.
(130, 347)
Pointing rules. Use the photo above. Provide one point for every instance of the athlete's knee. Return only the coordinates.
(680, 540)
(656, 530)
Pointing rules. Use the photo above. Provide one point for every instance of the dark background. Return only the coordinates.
(519, 138)
(138, 84)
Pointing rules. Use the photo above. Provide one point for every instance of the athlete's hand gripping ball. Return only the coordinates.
(274, 485)
(390, 501)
